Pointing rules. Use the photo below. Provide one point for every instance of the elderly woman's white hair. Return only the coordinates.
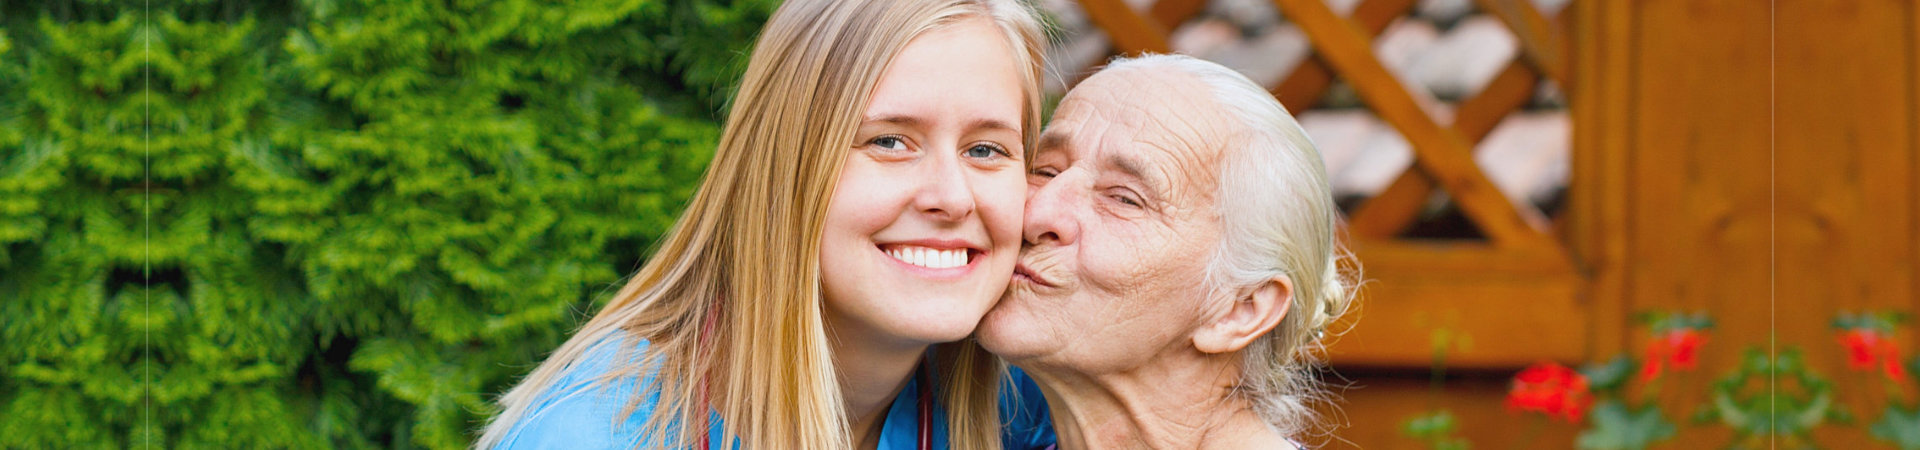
(1279, 219)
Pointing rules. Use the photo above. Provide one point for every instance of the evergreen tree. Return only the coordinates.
(329, 223)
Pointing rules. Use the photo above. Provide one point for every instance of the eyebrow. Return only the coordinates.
(1134, 168)
(1060, 140)
(915, 122)
(1053, 139)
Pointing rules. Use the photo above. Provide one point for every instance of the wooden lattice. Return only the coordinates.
(1523, 270)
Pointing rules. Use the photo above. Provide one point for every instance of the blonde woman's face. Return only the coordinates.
(924, 226)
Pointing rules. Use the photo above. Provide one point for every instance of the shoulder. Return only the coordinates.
(582, 409)
(1023, 410)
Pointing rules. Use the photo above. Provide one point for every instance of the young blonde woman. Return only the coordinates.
(862, 212)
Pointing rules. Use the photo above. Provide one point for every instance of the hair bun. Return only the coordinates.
(1335, 296)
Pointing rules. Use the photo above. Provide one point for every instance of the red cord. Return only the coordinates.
(926, 411)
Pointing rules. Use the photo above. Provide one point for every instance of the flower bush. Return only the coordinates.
(1677, 348)
(1767, 400)
(1868, 340)
(1869, 345)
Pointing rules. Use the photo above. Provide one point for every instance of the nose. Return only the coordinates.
(1051, 211)
(945, 193)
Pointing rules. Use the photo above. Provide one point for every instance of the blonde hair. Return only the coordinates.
(1282, 222)
(731, 302)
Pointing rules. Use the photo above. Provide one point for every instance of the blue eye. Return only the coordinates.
(889, 142)
(985, 151)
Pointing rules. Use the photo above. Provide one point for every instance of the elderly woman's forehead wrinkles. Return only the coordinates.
(1180, 173)
(1107, 128)
(1188, 141)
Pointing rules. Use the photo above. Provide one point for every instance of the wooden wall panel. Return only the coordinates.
(1516, 308)
(1844, 181)
(1773, 163)
(1845, 165)
(1699, 209)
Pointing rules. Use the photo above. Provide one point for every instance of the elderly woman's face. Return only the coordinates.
(1120, 226)
(924, 225)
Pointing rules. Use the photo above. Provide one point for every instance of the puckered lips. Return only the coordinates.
(1023, 274)
(938, 259)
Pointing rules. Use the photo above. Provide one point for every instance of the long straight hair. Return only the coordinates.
(731, 302)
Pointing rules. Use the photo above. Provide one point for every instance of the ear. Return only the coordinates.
(1248, 318)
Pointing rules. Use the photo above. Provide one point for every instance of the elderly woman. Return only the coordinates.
(1180, 263)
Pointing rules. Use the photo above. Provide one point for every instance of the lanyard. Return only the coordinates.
(926, 408)
(926, 411)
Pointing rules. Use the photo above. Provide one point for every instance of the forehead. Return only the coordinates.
(1160, 116)
(965, 69)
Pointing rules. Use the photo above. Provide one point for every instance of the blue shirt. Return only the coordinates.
(574, 413)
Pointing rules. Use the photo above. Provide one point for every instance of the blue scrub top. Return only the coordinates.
(573, 414)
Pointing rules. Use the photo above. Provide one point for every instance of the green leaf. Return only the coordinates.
(1437, 423)
(1609, 376)
(1617, 427)
(1899, 426)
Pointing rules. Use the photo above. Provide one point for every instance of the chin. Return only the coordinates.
(1000, 333)
(1015, 351)
(935, 333)
(938, 325)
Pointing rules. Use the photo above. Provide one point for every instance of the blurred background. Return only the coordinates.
(350, 224)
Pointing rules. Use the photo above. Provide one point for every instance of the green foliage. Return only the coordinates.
(1879, 321)
(1899, 422)
(1610, 377)
(1899, 426)
(1660, 322)
(1772, 400)
(1436, 429)
(328, 223)
(1617, 427)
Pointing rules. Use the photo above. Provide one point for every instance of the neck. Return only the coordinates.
(1176, 402)
(871, 374)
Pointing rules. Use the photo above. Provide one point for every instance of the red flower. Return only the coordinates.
(1552, 389)
(1679, 347)
(1651, 369)
(1861, 345)
(1686, 348)
(1866, 349)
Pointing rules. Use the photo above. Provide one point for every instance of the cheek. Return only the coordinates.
(863, 202)
(1001, 201)
(1130, 262)
(1114, 256)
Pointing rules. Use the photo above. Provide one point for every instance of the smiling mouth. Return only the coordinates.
(931, 258)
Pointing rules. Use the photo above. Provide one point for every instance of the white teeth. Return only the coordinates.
(930, 258)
